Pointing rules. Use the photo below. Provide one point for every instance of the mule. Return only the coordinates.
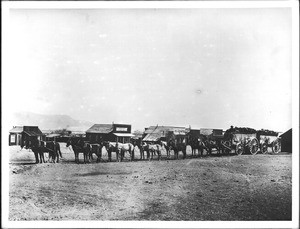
(195, 146)
(53, 149)
(110, 148)
(213, 144)
(96, 149)
(38, 149)
(178, 147)
(142, 146)
(79, 146)
(166, 147)
(39, 153)
(154, 149)
(126, 147)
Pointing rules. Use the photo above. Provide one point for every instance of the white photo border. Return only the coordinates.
(294, 5)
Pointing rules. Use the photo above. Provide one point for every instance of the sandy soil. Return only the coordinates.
(233, 187)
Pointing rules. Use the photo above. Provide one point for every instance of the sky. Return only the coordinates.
(204, 68)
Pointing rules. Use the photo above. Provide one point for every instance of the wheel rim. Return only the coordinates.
(254, 146)
(276, 147)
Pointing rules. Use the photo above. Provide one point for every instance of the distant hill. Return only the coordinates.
(49, 122)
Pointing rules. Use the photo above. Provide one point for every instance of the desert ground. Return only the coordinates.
(227, 188)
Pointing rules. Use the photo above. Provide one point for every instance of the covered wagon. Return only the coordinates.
(240, 140)
(268, 139)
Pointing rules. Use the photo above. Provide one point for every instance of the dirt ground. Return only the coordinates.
(223, 188)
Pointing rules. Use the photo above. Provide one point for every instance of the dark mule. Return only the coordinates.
(178, 147)
(96, 149)
(213, 144)
(79, 146)
(195, 146)
(38, 149)
(54, 150)
(110, 148)
(142, 146)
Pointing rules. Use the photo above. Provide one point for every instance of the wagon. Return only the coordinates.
(268, 139)
(240, 140)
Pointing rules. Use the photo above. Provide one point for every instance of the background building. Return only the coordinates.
(164, 133)
(20, 134)
(109, 132)
(286, 141)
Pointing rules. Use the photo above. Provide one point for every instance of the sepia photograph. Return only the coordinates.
(162, 114)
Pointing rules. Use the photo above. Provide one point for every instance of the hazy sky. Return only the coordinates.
(199, 67)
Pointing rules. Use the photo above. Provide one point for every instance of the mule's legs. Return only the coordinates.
(141, 154)
(122, 155)
(85, 156)
(57, 155)
(91, 156)
(36, 157)
(118, 156)
(99, 155)
(42, 157)
(54, 156)
(208, 151)
(76, 158)
(109, 155)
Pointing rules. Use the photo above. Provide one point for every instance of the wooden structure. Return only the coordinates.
(109, 132)
(20, 134)
(165, 133)
(193, 134)
(287, 141)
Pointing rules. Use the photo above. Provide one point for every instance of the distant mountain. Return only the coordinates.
(49, 122)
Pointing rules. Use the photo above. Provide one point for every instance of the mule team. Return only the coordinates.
(120, 149)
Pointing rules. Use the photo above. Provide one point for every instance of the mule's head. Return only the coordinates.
(106, 144)
(69, 142)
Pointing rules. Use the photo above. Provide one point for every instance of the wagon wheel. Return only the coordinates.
(253, 146)
(264, 148)
(276, 146)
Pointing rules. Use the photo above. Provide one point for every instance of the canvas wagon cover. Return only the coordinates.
(212, 132)
(241, 136)
(206, 131)
(270, 139)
